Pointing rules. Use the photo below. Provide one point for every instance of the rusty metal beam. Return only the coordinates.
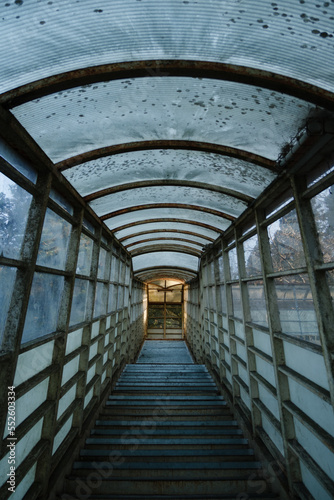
(206, 147)
(166, 219)
(166, 248)
(177, 231)
(163, 68)
(185, 270)
(169, 182)
(164, 239)
(181, 206)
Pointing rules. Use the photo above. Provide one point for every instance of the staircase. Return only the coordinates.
(166, 433)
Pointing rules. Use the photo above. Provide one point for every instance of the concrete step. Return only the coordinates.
(163, 486)
(181, 424)
(165, 444)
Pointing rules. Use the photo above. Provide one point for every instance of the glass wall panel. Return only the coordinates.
(100, 300)
(252, 256)
(102, 263)
(112, 298)
(330, 281)
(79, 301)
(61, 201)
(85, 255)
(54, 241)
(43, 307)
(17, 161)
(295, 304)
(221, 268)
(236, 299)
(232, 256)
(257, 303)
(7, 278)
(323, 209)
(223, 299)
(285, 243)
(14, 208)
(155, 295)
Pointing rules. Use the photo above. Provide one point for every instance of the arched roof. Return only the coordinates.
(169, 117)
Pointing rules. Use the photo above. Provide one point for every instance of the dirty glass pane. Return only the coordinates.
(54, 241)
(14, 208)
(12, 157)
(236, 301)
(223, 299)
(295, 304)
(174, 311)
(323, 209)
(115, 265)
(7, 278)
(285, 243)
(168, 194)
(173, 322)
(257, 303)
(112, 298)
(156, 311)
(160, 164)
(61, 201)
(252, 256)
(166, 243)
(161, 259)
(172, 226)
(85, 255)
(221, 268)
(174, 296)
(232, 256)
(155, 322)
(260, 120)
(120, 297)
(79, 302)
(219, 223)
(43, 307)
(102, 263)
(88, 225)
(155, 295)
(85, 34)
(100, 300)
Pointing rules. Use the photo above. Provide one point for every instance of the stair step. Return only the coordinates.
(167, 433)
(169, 455)
(166, 443)
(181, 423)
(199, 485)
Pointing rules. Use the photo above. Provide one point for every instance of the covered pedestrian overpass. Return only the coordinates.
(166, 172)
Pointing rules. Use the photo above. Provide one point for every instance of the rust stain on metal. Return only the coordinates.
(181, 206)
(167, 144)
(165, 68)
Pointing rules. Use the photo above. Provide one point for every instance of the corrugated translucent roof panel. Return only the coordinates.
(162, 259)
(132, 243)
(173, 226)
(163, 243)
(136, 166)
(46, 38)
(214, 221)
(237, 115)
(168, 194)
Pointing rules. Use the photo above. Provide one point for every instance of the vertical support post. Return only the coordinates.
(277, 347)
(320, 290)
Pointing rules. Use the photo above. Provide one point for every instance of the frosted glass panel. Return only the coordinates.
(172, 226)
(241, 116)
(90, 33)
(85, 255)
(162, 259)
(134, 166)
(100, 299)
(14, 208)
(12, 157)
(79, 301)
(232, 257)
(134, 242)
(252, 256)
(102, 263)
(168, 194)
(54, 241)
(33, 361)
(257, 303)
(214, 221)
(44, 302)
(296, 309)
(163, 243)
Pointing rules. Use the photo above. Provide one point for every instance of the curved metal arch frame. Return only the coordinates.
(167, 219)
(168, 182)
(166, 248)
(149, 206)
(163, 269)
(130, 147)
(176, 231)
(163, 239)
(162, 68)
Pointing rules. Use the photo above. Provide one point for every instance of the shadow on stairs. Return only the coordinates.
(166, 433)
